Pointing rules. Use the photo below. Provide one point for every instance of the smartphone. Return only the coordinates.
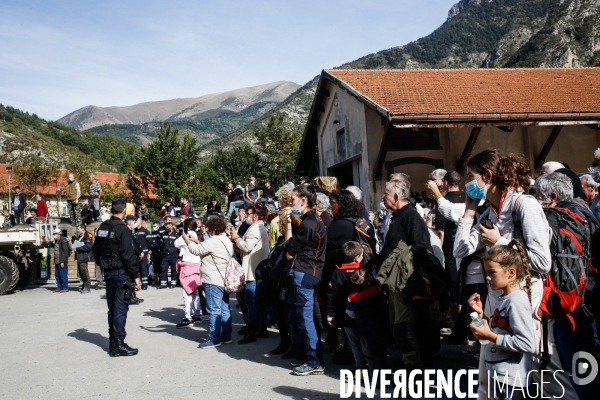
(487, 224)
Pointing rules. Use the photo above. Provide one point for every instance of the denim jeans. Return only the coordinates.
(235, 204)
(62, 277)
(249, 299)
(354, 342)
(219, 313)
(303, 331)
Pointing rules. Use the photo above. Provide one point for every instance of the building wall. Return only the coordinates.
(364, 133)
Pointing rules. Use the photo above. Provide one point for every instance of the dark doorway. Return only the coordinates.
(345, 175)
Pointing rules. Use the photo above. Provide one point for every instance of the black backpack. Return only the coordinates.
(364, 233)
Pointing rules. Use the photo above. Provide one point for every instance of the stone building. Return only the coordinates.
(367, 124)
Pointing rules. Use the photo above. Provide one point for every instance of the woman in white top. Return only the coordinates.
(188, 268)
(215, 254)
(501, 180)
(254, 247)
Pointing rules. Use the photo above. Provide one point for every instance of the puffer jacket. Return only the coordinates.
(84, 253)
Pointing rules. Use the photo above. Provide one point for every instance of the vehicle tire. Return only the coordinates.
(9, 275)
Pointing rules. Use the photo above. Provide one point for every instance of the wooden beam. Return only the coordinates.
(461, 165)
(509, 128)
(541, 159)
(383, 149)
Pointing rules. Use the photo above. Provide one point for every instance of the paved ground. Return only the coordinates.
(54, 346)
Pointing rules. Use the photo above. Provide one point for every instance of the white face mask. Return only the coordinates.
(249, 221)
(135, 226)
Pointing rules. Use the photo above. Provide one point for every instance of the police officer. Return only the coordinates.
(154, 252)
(115, 254)
(143, 237)
(168, 236)
(131, 221)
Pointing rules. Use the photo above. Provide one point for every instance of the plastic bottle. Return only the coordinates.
(476, 321)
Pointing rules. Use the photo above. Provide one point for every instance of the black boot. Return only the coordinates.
(250, 336)
(120, 348)
(263, 333)
(243, 330)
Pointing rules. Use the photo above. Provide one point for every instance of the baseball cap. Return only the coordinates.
(57, 231)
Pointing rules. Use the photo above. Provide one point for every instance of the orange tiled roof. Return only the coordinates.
(104, 177)
(477, 91)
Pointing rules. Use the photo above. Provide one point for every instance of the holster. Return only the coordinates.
(125, 291)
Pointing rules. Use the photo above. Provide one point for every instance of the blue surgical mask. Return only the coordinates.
(296, 211)
(474, 191)
(71, 179)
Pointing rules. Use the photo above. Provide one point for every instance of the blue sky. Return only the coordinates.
(58, 56)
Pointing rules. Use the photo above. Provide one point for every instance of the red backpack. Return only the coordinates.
(565, 284)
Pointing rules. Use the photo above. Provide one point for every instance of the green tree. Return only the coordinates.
(280, 146)
(237, 165)
(168, 166)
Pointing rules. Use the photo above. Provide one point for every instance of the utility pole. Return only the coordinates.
(9, 169)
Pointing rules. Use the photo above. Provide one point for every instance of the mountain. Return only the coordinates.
(27, 139)
(207, 117)
(477, 34)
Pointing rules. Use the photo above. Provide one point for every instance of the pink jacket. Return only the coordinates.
(189, 275)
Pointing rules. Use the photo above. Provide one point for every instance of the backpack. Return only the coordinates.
(565, 284)
(364, 233)
(235, 277)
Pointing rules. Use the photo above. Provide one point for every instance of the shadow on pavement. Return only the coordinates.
(94, 338)
(297, 393)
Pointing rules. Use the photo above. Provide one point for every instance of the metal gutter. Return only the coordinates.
(418, 118)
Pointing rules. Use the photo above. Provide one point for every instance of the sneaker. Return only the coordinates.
(145, 286)
(197, 318)
(56, 291)
(296, 362)
(85, 290)
(226, 341)
(172, 286)
(305, 369)
(64, 291)
(162, 287)
(207, 344)
(100, 286)
(185, 323)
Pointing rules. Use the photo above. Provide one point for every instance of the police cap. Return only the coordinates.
(118, 200)
(130, 218)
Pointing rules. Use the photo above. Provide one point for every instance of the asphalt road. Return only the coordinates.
(55, 346)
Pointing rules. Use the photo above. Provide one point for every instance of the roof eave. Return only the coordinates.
(493, 118)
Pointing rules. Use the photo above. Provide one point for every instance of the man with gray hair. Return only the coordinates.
(437, 175)
(95, 196)
(589, 188)
(410, 318)
(555, 190)
(550, 166)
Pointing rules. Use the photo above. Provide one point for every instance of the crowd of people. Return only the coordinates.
(521, 253)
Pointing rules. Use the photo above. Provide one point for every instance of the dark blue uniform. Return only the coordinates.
(169, 255)
(143, 237)
(116, 256)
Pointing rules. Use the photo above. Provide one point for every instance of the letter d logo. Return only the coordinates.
(582, 367)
